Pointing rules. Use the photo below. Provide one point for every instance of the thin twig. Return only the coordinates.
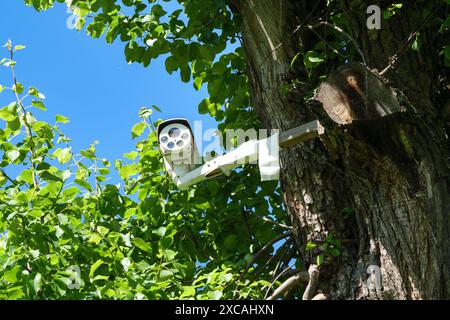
(283, 249)
(281, 225)
(27, 125)
(337, 29)
(263, 250)
(258, 255)
(3, 173)
(393, 60)
(276, 278)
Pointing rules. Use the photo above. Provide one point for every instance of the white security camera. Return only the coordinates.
(177, 144)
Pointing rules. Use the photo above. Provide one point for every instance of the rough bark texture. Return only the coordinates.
(379, 179)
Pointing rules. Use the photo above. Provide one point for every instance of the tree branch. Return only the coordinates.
(264, 249)
(314, 274)
(281, 225)
(289, 284)
(320, 296)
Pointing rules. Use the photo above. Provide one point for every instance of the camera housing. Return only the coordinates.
(180, 153)
(177, 144)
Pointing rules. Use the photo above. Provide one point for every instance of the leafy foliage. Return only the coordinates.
(67, 233)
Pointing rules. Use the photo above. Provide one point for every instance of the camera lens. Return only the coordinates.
(180, 143)
(185, 136)
(170, 145)
(164, 139)
(174, 132)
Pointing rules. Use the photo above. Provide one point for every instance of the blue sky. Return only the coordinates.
(89, 81)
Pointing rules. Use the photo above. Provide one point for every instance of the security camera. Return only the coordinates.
(176, 142)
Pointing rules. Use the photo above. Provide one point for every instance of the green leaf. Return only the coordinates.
(312, 59)
(171, 64)
(215, 295)
(198, 83)
(71, 192)
(335, 252)
(13, 155)
(49, 177)
(81, 9)
(35, 92)
(61, 119)
(138, 129)
(310, 246)
(11, 275)
(160, 232)
(127, 171)
(18, 88)
(141, 244)
(95, 238)
(64, 155)
(207, 107)
(295, 59)
(319, 259)
(216, 87)
(417, 43)
(96, 29)
(169, 254)
(158, 11)
(104, 171)
(19, 47)
(165, 275)
(131, 155)
(54, 259)
(88, 153)
(83, 184)
(185, 73)
(94, 267)
(9, 113)
(38, 104)
(188, 291)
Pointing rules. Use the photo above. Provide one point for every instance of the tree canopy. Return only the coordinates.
(67, 233)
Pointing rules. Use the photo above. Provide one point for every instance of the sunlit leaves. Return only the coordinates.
(9, 113)
(63, 155)
(11, 275)
(138, 236)
(13, 155)
(138, 129)
(19, 47)
(141, 244)
(61, 119)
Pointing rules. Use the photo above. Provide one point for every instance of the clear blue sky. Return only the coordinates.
(89, 81)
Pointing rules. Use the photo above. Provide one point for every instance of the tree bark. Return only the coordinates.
(378, 180)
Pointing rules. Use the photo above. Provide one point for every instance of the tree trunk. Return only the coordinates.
(378, 180)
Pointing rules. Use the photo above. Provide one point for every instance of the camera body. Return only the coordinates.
(180, 153)
(177, 144)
